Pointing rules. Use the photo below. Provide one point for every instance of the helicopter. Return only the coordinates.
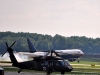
(47, 63)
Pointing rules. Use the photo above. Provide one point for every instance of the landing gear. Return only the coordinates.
(48, 72)
(19, 70)
(49, 68)
(78, 60)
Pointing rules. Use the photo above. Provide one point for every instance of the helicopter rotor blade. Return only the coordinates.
(3, 53)
(13, 44)
(6, 44)
(6, 50)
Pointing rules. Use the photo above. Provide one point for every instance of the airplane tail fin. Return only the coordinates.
(32, 48)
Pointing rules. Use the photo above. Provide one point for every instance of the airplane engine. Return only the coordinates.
(71, 60)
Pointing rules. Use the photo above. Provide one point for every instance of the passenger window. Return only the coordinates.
(57, 64)
(42, 63)
(46, 63)
(51, 63)
(78, 52)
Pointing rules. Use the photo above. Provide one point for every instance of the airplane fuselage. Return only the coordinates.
(70, 54)
(66, 54)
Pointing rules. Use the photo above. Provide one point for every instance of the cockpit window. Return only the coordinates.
(62, 63)
(67, 63)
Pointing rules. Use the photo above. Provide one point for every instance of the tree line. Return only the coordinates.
(47, 42)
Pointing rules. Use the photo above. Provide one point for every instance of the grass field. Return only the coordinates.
(85, 62)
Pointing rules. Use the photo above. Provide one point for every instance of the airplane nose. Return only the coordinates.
(82, 53)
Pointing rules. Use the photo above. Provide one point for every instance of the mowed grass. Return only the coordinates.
(85, 62)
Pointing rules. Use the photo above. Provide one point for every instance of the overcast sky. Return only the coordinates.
(63, 17)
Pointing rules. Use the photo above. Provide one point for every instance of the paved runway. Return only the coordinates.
(23, 73)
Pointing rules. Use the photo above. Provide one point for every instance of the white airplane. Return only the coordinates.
(69, 54)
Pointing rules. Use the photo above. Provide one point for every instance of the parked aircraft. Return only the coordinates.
(46, 63)
(69, 54)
